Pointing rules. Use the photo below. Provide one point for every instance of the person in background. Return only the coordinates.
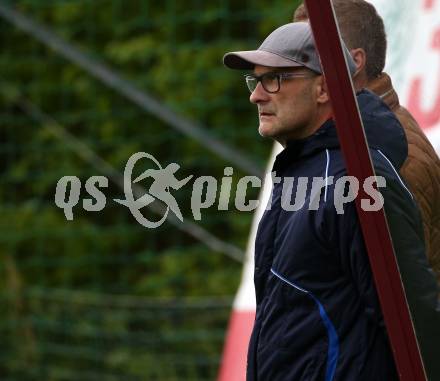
(362, 30)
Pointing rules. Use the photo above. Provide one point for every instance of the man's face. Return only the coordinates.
(291, 112)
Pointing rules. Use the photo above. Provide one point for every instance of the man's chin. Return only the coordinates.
(271, 134)
(266, 131)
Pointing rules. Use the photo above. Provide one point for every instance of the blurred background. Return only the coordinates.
(85, 84)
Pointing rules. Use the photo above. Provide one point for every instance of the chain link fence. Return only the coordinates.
(84, 85)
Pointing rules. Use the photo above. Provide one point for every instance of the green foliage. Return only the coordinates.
(101, 297)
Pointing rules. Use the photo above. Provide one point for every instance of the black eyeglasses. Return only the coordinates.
(272, 81)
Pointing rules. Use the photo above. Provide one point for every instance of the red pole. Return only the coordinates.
(358, 162)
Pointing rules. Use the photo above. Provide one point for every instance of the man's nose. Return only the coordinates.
(259, 94)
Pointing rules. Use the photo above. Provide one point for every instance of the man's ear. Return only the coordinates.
(322, 95)
(360, 59)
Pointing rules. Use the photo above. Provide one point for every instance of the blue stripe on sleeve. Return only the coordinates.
(333, 340)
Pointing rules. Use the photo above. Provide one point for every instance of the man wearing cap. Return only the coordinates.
(318, 316)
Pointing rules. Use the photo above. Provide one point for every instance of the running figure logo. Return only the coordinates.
(163, 180)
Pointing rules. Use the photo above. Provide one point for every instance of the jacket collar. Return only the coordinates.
(383, 87)
(324, 137)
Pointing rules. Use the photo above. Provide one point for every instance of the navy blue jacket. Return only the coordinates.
(318, 316)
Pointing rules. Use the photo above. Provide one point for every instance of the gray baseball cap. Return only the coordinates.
(290, 45)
